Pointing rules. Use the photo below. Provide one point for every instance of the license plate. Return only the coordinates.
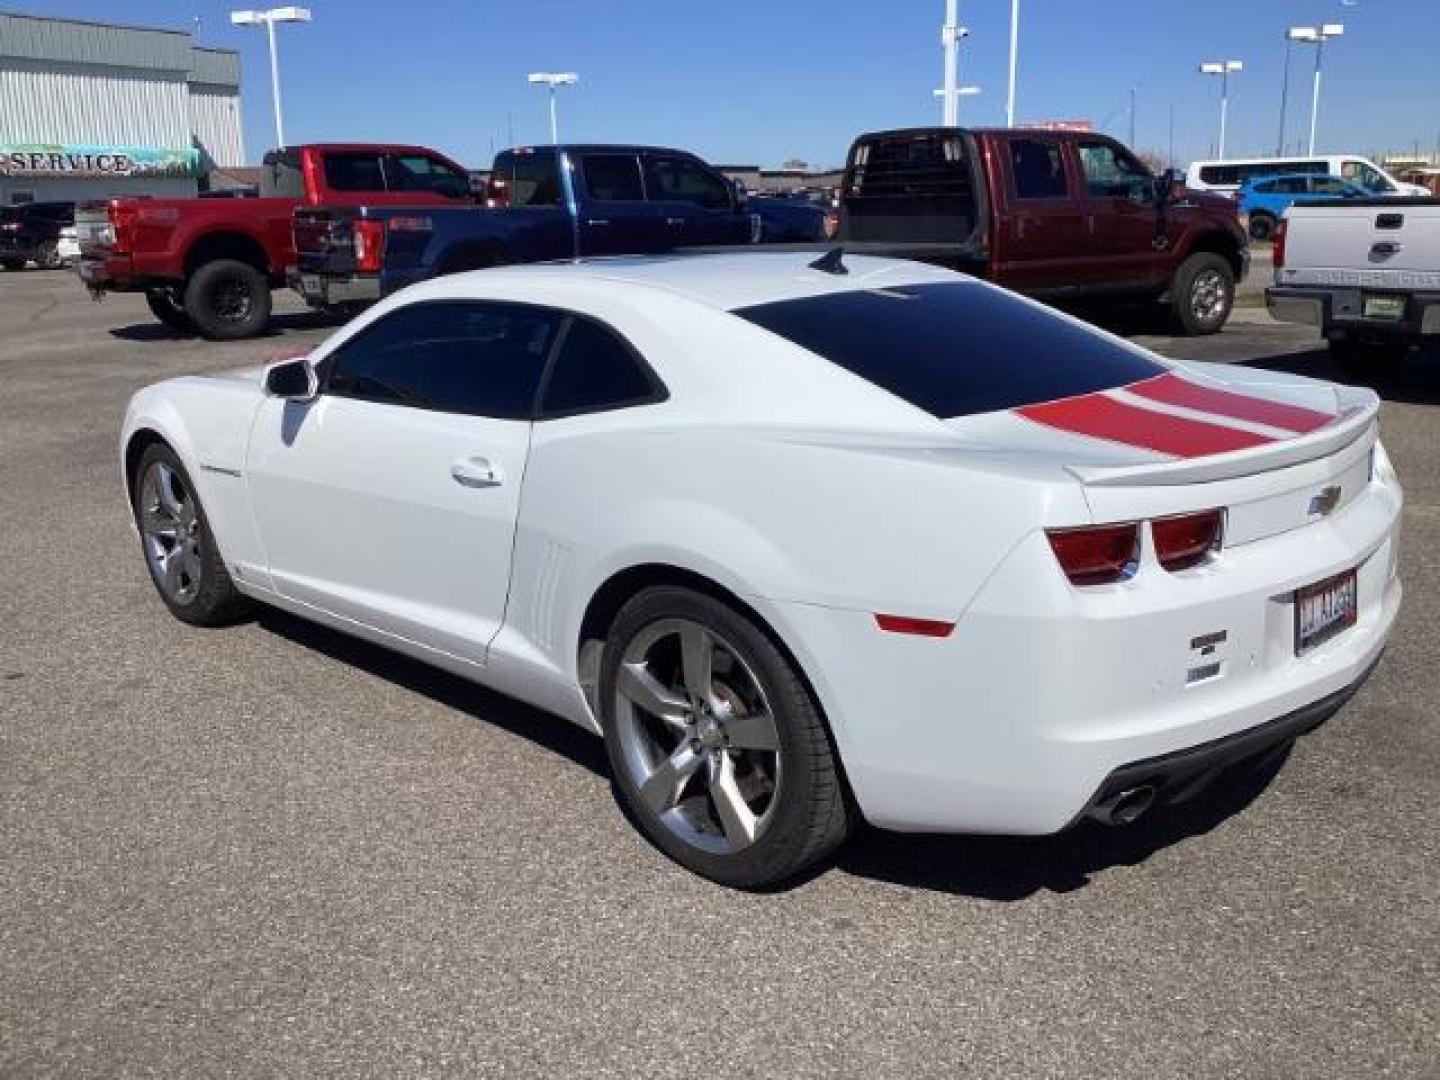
(1325, 609)
(1384, 307)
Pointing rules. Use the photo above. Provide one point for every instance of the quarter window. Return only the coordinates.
(534, 182)
(613, 177)
(594, 370)
(354, 172)
(1038, 169)
(480, 359)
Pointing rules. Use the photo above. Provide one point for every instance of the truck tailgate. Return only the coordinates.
(1373, 244)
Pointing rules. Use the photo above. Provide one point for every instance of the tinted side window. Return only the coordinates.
(954, 350)
(481, 359)
(534, 182)
(354, 172)
(613, 177)
(687, 181)
(1038, 169)
(595, 369)
(415, 172)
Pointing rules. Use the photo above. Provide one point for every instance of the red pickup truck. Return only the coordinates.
(208, 264)
(1054, 214)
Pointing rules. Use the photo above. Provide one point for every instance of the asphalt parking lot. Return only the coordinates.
(271, 851)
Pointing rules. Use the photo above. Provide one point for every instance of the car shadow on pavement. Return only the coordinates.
(289, 322)
(1005, 868)
(1415, 380)
(546, 730)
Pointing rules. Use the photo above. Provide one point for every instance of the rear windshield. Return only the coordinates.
(911, 164)
(954, 349)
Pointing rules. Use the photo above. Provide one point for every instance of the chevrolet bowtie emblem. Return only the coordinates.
(1326, 501)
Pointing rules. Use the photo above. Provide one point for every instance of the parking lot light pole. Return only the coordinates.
(553, 79)
(268, 19)
(1317, 36)
(960, 91)
(1014, 46)
(951, 34)
(1223, 68)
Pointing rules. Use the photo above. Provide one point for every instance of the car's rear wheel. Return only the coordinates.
(165, 307)
(13, 264)
(179, 548)
(1262, 227)
(1203, 294)
(717, 745)
(227, 300)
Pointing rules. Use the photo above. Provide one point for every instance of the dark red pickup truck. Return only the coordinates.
(208, 264)
(1054, 214)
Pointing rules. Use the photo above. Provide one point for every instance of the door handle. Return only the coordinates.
(674, 221)
(596, 221)
(476, 472)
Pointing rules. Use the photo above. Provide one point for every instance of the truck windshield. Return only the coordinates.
(955, 349)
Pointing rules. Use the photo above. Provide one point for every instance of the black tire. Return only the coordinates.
(1262, 227)
(228, 300)
(1202, 294)
(811, 813)
(47, 255)
(13, 264)
(211, 599)
(1363, 360)
(165, 307)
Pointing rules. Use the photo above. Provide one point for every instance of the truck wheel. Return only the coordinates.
(13, 264)
(1202, 294)
(167, 309)
(1366, 360)
(47, 256)
(227, 300)
(1262, 226)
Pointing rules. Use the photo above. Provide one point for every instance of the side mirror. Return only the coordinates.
(293, 380)
(1170, 186)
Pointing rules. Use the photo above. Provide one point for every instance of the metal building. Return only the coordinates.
(89, 110)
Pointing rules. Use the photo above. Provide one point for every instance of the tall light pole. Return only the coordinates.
(951, 35)
(960, 91)
(1317, 36)
(553, 79)
(1284, 98)
(1223, 68)
(268, 19)
(1014, 47)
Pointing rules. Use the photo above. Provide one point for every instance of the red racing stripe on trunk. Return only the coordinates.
(1103, 417)
(1173, 390)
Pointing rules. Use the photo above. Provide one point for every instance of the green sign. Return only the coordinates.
(96, 160)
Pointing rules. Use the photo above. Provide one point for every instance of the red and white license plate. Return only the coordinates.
(1325, 609)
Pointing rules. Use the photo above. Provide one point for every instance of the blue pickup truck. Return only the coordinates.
(542, 203)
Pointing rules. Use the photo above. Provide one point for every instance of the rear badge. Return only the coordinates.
(1205, 661)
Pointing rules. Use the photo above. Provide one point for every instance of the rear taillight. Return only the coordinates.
(369, 245)
(1187, 540)
(1097, 554)
(123, 221)
(497, 194)
(1278, 255)
(832, 225)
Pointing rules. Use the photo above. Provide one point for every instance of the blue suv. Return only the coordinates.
(1266, 198)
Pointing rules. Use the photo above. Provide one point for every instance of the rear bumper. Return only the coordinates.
(116, 273)
(1337, 311)
(325, 291)
(1046, 696)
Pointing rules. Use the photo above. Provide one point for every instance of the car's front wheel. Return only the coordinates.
(179, 548)
(47, 256)
(1262, 227)
(1203, 294)
(717, 745)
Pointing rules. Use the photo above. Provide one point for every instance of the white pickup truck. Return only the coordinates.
(1366, 272)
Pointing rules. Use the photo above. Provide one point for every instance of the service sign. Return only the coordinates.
(95, 160)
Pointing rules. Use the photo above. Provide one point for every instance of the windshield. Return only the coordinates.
(955, 349)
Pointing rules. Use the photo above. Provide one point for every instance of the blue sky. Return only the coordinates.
(753, 81)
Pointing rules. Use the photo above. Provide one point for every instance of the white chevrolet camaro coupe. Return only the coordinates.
(806, 542)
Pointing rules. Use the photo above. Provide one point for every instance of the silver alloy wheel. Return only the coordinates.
(1207, 296)
(170, 532)
(697, 735)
